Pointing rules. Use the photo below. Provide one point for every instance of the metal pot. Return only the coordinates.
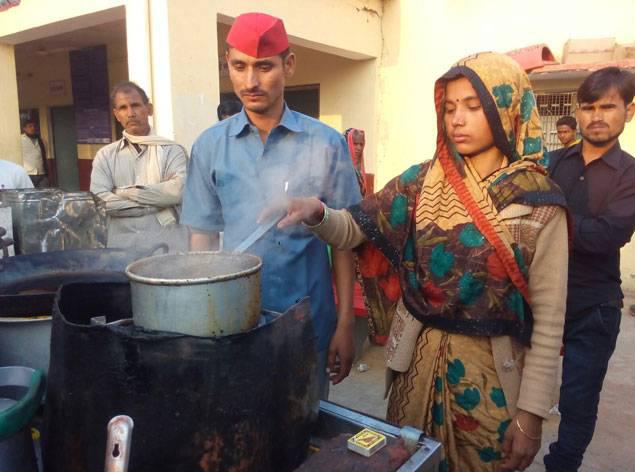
(198, 293)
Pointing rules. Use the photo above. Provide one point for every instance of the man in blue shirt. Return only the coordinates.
(243, 165)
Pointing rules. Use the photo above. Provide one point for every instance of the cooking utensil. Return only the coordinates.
(197, 293)
(258, 232)
(118, 443)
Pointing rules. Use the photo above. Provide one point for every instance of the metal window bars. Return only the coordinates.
(552, 107)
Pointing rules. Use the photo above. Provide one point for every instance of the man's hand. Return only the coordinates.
(341, 352)
(518, 448)
(124, 192)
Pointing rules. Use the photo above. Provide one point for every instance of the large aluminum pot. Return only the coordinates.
(197, 293)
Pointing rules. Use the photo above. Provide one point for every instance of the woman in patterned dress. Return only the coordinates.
(463, 259)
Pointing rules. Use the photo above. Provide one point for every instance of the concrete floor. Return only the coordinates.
(611, 449)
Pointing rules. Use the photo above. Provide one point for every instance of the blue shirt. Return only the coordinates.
(233, 176)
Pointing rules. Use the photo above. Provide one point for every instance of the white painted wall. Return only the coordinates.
(423, 38)
(10, 148)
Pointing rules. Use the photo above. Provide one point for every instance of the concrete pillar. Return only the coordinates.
(194, 79)
(10, 148)
(172, 54)
(138, 44)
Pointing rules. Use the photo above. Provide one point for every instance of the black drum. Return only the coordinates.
(245, 402)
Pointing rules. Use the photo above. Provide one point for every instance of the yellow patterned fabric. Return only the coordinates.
(436, 242)
(436, 239)
(453, 394)
(452, 192)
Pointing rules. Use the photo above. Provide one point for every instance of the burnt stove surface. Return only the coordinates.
(245, 402)
(45, 272)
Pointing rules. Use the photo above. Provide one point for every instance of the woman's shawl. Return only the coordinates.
(434, 232)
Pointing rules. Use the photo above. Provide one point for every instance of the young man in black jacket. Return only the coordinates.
(598, 179)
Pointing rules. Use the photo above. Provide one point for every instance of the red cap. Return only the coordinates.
(258, 35)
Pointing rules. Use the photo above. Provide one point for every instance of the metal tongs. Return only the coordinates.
(118, 443)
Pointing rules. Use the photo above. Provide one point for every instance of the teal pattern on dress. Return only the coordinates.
(469, 399)
(471, 237)
(410, 175)
(498, 397)
(398, 210)
(437, 413)
(440, 260)
(545, 160)
(456, 371)
(512, 145)
(409, 250)
(438, 384)
(520, 260)
(515, 303)
(412, 279)
(502, 428)
(532, 145)
(503, 94)
(470, 288)
(488, 454)
(527, 104)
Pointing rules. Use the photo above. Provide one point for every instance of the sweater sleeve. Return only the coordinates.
(102, 185)
(548, 292)
(339, 229)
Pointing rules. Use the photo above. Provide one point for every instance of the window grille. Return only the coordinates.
(552, 107)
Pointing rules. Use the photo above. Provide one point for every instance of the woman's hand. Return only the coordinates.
(302, 210)
(341, 351)
(520, 447)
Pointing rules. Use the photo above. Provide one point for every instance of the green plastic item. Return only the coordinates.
(16, 417)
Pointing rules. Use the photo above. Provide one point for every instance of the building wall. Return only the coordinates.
(354, 35)
(422, 40)
(10, 148)
(41, 17)
(34, 74)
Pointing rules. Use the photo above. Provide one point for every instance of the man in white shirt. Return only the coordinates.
(140, 177)
(34, 154)
(13, 176)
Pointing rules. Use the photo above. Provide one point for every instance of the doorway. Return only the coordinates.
(65, 147)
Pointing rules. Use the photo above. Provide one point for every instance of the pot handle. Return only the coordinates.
(118, 443)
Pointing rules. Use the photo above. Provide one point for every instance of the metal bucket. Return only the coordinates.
(21, 391)
(197, 293)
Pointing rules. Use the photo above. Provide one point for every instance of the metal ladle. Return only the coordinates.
(258, 232)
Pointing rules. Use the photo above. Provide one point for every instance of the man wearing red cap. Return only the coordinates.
(266, 152)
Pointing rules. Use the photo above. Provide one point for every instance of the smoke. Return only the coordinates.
(300, 165)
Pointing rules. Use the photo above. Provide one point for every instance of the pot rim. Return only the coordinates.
(194, 280)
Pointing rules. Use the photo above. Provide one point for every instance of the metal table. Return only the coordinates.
(335, 419)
